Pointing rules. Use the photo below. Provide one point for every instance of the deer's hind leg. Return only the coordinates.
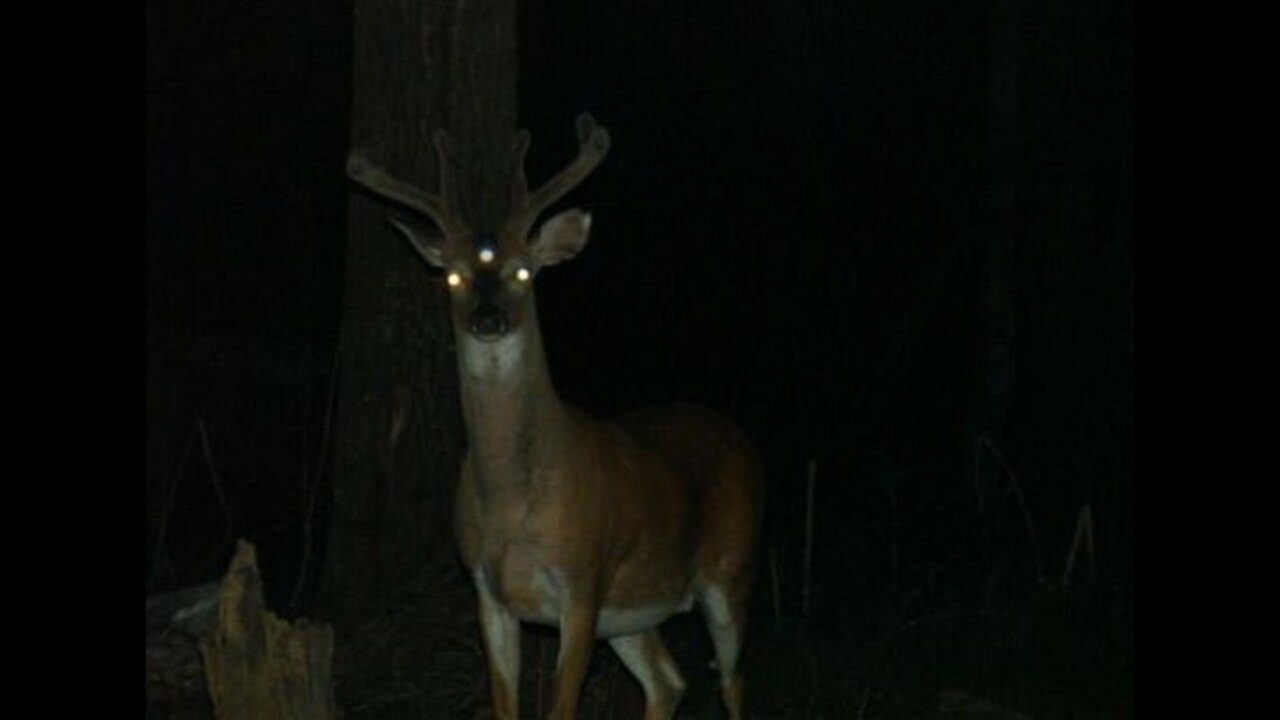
(724, 606)
(646, 657)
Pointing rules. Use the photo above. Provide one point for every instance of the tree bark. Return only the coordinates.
(418, 66)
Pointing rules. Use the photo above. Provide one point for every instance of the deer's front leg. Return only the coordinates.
(501, 632)
(577, 637)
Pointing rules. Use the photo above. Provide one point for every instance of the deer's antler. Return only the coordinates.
(593, 145)
(440, 207)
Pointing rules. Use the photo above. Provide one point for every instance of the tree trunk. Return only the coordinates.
(418, 66)
(996, 251)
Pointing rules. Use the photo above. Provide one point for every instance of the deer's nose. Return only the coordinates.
(489, 323)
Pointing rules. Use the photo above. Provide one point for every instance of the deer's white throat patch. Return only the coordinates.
(495, 360)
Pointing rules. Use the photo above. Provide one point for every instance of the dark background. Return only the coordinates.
(787, 227)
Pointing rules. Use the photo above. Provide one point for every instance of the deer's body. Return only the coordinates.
(602, 529)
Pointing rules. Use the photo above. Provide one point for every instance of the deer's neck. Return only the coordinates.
(510, 406)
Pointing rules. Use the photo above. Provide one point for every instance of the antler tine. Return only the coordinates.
(593, 145)
(519, 185)
(437, 206)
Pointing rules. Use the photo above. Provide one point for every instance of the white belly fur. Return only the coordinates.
(612, 622)
(629, 621)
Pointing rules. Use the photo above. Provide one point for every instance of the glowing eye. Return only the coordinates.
(523, 274)
(486, 256)
(454, 280)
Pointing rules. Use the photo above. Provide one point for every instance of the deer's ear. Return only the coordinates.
(561, 237)
(431, 249)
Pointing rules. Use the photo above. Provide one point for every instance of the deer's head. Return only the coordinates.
(490, 271)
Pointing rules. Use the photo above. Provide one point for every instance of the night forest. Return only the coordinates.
(893, 241)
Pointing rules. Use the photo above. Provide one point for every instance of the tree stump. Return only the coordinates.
(259, 666)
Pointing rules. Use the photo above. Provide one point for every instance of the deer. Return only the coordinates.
(600, 528)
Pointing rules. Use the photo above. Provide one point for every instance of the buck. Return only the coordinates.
(602, 529)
